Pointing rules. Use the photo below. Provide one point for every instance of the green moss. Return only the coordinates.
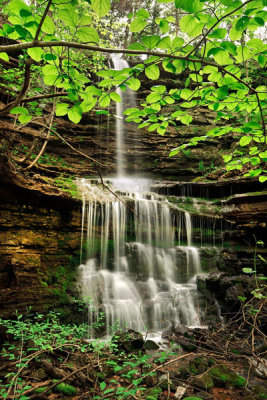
(192, 398)
(67, 185)
(153, 393)
(66, 389)
(223, 374)
(40, 390)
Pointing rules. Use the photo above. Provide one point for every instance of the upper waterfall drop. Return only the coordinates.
(127, 100)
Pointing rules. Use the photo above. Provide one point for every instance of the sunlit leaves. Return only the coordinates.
(152, 72)
(100, 7)
(35, 53)
(48, 25)
(134, 83)
(191, 6)
(150, 41)
(218, 33)
(140, 21)
(75, 114)
(23, 114)
(4, 56)
(115, 97)
(191, 25)
(245, 140)
(62, 109)
(69, 16)
(88, 35)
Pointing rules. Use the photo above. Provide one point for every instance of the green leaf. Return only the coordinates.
(222, 57)
(259, 21)
(4, 56)
(152, 72)
(137, 25)
(102, 385)
(247, 270)
(186, 119)
(100, 7)
(142, 13)
(153, 98)
(230, 47)
(16, 6)
(35, 53)
(75, 114)
(191, 6)
(263, 179)
(134, 83)
(50, 70)
(62, 109)
(19, 110)
(164, 26)
(191, 25)
(85, 20)
(69, 16)
(25, 118)
(245, 140)
(104, 100)
(150, 41)
(218, 33)
(227, 158)
(242, 24)
(165, 43)
(48, 25)
(88, 35)
(115, 97)
(136, 46)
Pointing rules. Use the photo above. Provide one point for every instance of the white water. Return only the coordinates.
(134, 267)
(128, 100)
(135, 273)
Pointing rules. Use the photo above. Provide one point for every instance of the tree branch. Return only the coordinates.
(27, 75)
(44, 96)
(21, 46)
(42, 20)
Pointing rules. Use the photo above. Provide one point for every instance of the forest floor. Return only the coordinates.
(43, 359)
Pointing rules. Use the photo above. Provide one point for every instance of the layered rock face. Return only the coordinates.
(39, 244)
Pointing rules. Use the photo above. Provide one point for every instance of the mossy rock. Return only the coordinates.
(192, 398)
(222, 374)
(184, 373)
(204, 382)
(153, 394)
(260, 392)
(66, 389)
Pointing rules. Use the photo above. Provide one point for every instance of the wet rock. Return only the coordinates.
(129, 341)
(151, 345)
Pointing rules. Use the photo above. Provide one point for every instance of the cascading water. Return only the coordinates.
(134, 266)
(127, 100)
(135, 269)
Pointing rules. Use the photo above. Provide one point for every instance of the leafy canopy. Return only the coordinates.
(216, 44)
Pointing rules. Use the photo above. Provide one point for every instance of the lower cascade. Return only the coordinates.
(138, 266)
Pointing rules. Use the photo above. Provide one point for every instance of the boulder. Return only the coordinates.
(128, 341)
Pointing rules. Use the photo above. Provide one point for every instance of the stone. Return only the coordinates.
(151, 345)
(204, 381)
(180, 391)
(129, 341)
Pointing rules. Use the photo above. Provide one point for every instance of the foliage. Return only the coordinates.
(217, 47)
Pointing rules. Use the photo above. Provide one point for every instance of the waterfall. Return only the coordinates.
(133, 264)
(127, 100)
(134, 271)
